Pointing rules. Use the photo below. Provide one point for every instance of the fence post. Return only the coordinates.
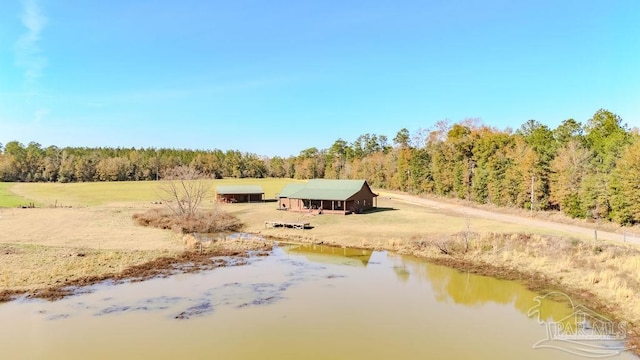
(595, 234)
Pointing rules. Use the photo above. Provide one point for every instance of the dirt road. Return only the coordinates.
(570, 230)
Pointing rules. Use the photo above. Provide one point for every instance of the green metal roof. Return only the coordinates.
(291, 189)
(355, 185)
(323, 194)
(324, 189)
(239, 189)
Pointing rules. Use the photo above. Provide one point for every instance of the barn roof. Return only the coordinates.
(239, 189)
(324, 189)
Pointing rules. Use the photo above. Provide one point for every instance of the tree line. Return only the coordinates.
(589, 170)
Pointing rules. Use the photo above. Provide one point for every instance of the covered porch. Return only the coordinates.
(329, 206)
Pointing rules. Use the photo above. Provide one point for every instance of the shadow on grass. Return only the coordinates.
(379, 209)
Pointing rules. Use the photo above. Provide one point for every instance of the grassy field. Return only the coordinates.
(10, 199)
(101, 193)
(394, 221)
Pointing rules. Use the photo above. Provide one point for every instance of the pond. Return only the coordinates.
(301, 302)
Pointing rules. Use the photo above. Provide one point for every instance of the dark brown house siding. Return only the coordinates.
(239, 193)
(360, 201)
(239, 198)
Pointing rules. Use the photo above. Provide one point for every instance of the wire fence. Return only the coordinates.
(630, 237)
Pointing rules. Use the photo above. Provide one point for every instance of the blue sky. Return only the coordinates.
(275, 77)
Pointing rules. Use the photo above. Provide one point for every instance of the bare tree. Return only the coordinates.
(184, 192)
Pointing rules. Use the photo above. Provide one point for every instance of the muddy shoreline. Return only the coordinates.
(189, 261)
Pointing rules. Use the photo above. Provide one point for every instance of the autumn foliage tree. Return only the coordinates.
(584, 170)
(568, 170)
(626, 186)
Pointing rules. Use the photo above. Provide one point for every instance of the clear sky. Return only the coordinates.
(275, 77)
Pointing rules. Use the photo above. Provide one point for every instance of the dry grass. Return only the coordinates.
(605, 276)
(49, 272)
(30, 267)
(211, 221)
(94, 228)
(394, 221)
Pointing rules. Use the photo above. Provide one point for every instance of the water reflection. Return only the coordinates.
(303, 302)
(476, 290)
(330, 254)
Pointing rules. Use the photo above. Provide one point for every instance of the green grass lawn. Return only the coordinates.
(9, 199)
(100, 193)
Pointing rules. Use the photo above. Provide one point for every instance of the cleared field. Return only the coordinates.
(102, 193)
(393, 222)
(9, 198)
(89, 232)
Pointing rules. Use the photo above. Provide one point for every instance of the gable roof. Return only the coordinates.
(290, 189)
(324, 189)
(239, 189)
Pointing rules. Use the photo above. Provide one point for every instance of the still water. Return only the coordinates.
(303, 302)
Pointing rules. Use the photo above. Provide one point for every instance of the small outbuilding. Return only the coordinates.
(328, 196)
(239, 193)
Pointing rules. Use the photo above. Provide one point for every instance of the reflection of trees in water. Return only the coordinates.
(402, 273)
(331, 254)
(472, 290)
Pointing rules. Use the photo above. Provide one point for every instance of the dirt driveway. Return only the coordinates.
(572, 230)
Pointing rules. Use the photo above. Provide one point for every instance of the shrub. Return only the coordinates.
(202, 222)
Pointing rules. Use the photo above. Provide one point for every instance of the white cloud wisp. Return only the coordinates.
(27, 51)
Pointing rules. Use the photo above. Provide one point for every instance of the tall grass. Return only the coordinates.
(611, 272)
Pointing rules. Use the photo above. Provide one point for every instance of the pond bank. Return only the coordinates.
(228, 252)
(604, 277)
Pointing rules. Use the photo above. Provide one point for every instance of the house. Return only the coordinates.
(328, 196)
(239, 193)
(284, 197)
